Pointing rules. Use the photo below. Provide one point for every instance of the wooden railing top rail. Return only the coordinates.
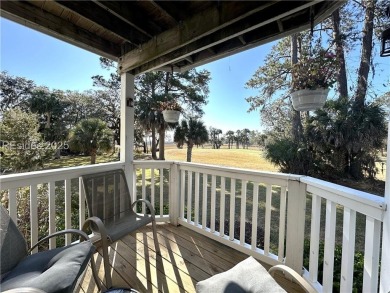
(231, 171)
(362, 202)
(153, 164)
(36, 177)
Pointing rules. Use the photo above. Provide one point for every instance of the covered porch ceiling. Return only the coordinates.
(167, 35)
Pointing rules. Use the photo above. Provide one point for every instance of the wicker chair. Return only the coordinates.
(111, 213)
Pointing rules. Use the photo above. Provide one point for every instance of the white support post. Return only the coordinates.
(296, 206)
(385, 262)
(127, 127)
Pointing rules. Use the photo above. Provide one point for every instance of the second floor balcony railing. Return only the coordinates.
(271, 216)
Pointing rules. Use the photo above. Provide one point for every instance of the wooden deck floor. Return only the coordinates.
(186, 258)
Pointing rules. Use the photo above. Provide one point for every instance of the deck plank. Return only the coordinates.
(186, 258)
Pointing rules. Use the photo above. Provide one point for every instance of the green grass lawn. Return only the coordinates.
(239, 158)
(74, 161)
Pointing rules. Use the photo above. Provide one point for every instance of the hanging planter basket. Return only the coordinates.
(309, 100)
(171, 116)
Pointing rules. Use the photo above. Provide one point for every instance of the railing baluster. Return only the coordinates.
(12, 204)
(222, 209)
(243, 211)
(213, 201)
(106, 211)
(315, 237)
(371, 255)
(267, 225)
(143, 188)
(204, 201)
(52, 212)
(68, 211)
(152, 187)
(116, 195)
(34, 216)
(232, 208)
(196, 198)
(347, 259)
(81, 203)
(161, 192)
(282, 223)
(255, 207)
(189, 197)
(182, 192)
(330, 229)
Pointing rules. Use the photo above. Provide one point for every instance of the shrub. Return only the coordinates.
(358, 268)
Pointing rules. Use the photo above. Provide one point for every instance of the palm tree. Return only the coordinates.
(230, 138)
(245, 137)
(214, 137)
(193, 132)
(89, 136)
(238, 138)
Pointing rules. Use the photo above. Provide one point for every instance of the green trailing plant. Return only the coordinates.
(318, 70)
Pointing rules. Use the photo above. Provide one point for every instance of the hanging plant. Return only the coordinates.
(312, 77)
(171, 111)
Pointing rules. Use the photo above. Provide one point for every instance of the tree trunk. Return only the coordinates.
(190, 145)
(365, 58)
(154, 155)
(48, 121)
(342, 83)
(93, 156)
(161, 152)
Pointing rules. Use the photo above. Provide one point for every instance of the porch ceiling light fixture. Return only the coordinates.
(385, 42)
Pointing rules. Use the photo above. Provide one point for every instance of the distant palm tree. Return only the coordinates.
(238, 138)
(245, 137)
(193, 132)
(230, 138)
(89, 136)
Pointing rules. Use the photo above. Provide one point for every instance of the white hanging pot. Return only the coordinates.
(171, 116)
(308, 100)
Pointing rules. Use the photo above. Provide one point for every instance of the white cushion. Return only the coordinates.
(246, 276)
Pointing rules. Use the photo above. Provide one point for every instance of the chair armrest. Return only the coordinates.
(82, 235)
(294, 275)
(147, 203)
(100, 225)
(104, 241)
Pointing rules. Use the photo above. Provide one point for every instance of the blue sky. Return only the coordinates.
(58, 65)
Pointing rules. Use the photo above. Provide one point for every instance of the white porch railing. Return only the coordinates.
(259, 213)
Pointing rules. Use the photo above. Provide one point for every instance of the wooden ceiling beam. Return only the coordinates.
(128, 14)
(189, 31)
(99, 15)
(267, 32)
(261, 18)
(163, 12)
(38, 19)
